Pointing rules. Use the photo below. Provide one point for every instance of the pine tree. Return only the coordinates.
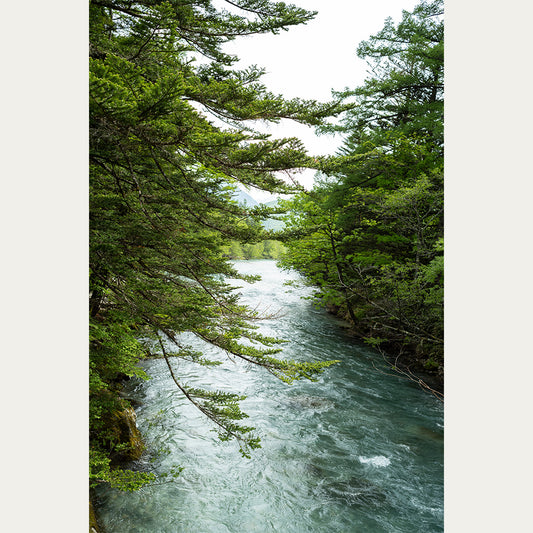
(370, 233)
(404, 92)
(162, 175)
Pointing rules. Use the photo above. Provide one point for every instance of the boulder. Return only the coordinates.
(124, 427)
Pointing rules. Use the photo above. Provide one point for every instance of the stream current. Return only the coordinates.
(358, 451)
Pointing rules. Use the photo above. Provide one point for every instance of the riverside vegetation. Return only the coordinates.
(170, 140)
(369, 235)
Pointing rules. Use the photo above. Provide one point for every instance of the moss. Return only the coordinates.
(93, 523)
(125, 432)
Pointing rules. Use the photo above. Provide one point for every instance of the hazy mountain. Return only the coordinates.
(244, 198)
(271, 224)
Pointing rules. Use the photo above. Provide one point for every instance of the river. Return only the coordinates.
(359, 451)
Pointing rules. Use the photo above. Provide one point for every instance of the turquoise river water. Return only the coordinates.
(359, 451)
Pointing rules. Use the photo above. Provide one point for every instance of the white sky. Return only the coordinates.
(308, 61)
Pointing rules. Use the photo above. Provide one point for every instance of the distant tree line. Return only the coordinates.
(268, 249)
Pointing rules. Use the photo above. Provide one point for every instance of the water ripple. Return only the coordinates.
(358, 451)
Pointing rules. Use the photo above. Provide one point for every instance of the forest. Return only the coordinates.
(173, 137)
(369, 235)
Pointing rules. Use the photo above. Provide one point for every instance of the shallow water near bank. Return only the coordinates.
(357, 451)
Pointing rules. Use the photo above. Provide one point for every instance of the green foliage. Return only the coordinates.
(405, 91)
(162, 176)
(369, 235)
(100, 471)
(268, 249)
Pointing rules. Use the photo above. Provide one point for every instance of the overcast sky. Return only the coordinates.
(310, 60)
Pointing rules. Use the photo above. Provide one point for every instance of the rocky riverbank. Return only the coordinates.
(413, 362)
(122, 425)
(93, 523)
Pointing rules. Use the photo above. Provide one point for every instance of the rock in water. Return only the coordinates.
(124, 428)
